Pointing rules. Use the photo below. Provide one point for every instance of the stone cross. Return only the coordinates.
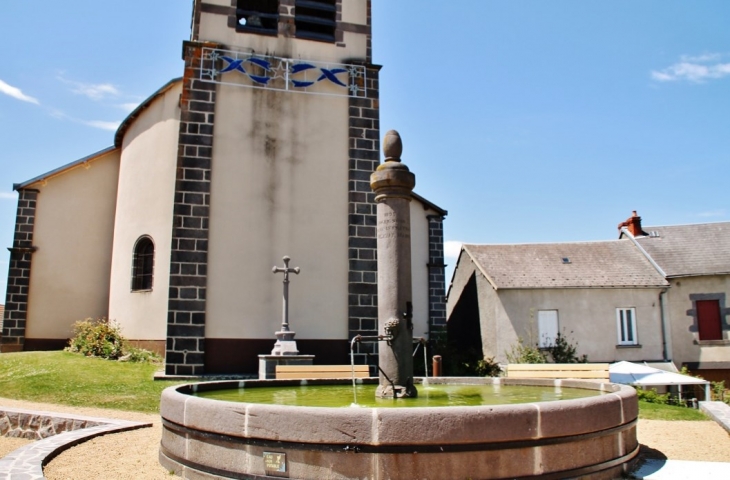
(286, 270)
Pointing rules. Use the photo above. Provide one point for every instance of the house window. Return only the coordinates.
(547, 326)
(708, 319)
(316, 19)
(626, 325)
(258, 16)
(143, 264)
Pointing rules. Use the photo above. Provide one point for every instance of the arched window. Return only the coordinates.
(143, 264)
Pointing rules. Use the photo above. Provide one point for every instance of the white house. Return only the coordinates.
(657, 293)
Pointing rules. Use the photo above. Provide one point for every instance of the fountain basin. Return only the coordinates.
(588, 437)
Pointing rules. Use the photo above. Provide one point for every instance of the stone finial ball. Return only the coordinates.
(392, 145)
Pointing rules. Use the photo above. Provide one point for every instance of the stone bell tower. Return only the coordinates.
(279, 128)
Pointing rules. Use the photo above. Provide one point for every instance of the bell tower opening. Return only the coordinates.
(258, 16)
(315, 19)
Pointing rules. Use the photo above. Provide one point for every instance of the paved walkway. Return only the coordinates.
(653, 469)
(26, 463)
(719, 412)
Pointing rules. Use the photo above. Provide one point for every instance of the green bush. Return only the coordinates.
(651, 396)
(523, 353)
(103, 338)
(140, 355)
(718, 390)
(487, 367)
(563, 351)
(97, 338)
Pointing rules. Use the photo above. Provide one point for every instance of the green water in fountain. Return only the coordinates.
(428, 396)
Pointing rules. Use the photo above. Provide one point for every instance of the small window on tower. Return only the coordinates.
(258, 16)
(316, 19)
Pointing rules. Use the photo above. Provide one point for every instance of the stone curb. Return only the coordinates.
(26, 463)
(719, 412)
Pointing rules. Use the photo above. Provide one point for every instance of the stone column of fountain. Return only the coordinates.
(393, 183)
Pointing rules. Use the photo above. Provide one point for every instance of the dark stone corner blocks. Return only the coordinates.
(189, 257)
(364, 116)
(16, 298)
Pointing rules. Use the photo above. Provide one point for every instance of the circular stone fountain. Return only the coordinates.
(592, 437)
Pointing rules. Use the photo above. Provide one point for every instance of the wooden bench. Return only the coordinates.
(320, 371)
(596, 371)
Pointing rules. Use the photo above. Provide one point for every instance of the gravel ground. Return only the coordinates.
(7, 445)
(133, 455)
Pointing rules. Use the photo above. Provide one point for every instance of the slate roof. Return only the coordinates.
(608, 264)
(687, 250)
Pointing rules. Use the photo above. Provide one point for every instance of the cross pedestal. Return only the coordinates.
(285, 351)
(268, 363)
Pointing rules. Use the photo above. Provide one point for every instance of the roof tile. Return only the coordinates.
(615, 263)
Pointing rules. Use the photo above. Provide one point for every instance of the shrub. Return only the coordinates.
(487, 367)
(140, 355)
(563, 351)
(97, 338)
(718, 390)
(523, 353)
(651, 396)
(103, 338)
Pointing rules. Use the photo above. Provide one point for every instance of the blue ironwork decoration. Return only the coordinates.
(274, 73)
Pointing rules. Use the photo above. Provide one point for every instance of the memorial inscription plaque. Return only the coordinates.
(275, 464)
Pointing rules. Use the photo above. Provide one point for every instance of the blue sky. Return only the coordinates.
(529, 121)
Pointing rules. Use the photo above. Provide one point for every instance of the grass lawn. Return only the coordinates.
(655, 411)
(71, 379)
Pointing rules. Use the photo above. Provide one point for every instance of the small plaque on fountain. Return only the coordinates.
(275, 464)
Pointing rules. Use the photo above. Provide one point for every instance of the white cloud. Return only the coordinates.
(128, 107)
(712, 213)
(695, 69)
(97, 92)
(706, 57)
(101, 124)
(16, 93)
(8, 196)
(112, 126)
(94, 91)
(452, 248)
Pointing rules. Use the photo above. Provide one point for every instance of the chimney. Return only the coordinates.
(633, 225)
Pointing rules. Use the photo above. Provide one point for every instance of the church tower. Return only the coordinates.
(262, 149)
(278, 136)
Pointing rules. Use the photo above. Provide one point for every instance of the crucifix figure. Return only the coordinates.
(285, 343)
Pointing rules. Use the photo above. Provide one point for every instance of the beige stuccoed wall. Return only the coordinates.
(144, 207)
(279, 187)
(684, 334)
(214, 28)
(73, 231)
(590, 314)
(419, 267)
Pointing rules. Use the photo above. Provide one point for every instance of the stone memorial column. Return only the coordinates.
(393, 183)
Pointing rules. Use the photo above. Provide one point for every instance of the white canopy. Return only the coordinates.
(642, 375)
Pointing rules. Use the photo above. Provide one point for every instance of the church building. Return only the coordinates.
(262, 149)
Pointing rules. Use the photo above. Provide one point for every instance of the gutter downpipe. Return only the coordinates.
(666, 333)
(666, 342)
